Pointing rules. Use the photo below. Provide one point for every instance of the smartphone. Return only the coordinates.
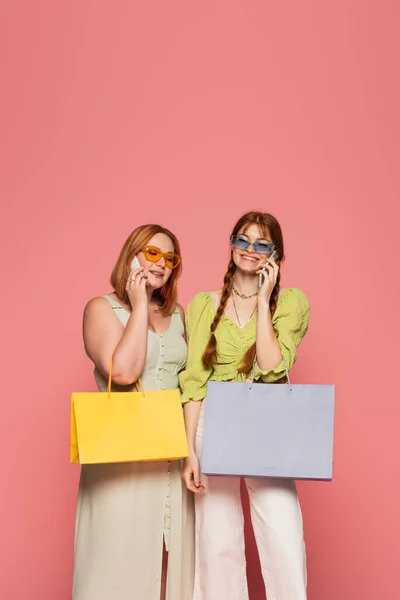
(135, 264)
(261, 275)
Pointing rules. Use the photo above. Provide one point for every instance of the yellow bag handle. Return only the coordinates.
(136, 382)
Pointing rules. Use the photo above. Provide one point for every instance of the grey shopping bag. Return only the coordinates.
(269, 430)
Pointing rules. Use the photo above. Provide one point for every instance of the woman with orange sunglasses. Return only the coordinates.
(128, 512)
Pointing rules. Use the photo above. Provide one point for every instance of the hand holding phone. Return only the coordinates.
(261, 275)
(135, 266)
(136, 285)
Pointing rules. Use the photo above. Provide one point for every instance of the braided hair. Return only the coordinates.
(210, 353)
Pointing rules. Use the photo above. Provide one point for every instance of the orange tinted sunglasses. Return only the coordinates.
(153, 254)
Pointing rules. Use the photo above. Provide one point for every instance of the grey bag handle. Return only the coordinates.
(255, 369)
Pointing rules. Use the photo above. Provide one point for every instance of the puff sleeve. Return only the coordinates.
(199, 316)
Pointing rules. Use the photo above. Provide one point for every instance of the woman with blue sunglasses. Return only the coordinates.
(251, 319)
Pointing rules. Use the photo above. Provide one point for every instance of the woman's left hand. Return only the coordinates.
(270, 275)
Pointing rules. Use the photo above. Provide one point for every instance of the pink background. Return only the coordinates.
(190, 113)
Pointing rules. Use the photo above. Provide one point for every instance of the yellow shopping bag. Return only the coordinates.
(110, 427)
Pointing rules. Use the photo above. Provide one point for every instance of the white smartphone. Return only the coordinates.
(135, 264)
(261, 275)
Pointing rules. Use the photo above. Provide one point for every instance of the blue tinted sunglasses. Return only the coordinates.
(243, 243)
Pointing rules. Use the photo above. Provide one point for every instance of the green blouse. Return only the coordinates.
(290, 320)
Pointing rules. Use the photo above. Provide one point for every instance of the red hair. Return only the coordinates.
(166, 296)
(268, 226)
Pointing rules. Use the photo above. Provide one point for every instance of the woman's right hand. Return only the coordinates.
(191, 474)
(136, 287)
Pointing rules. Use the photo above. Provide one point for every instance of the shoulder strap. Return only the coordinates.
(119, 311)
(114, 304)
(176, 316)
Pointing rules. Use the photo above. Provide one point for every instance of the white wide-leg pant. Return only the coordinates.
(278, 529)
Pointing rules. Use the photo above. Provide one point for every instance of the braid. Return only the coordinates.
(275, 295)
(250, 356)
(210, 353)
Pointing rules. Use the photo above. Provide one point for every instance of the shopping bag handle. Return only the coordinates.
(286, 369)
(136, 383)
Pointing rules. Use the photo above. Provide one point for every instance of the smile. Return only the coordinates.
(159, 274)
(247, 258)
